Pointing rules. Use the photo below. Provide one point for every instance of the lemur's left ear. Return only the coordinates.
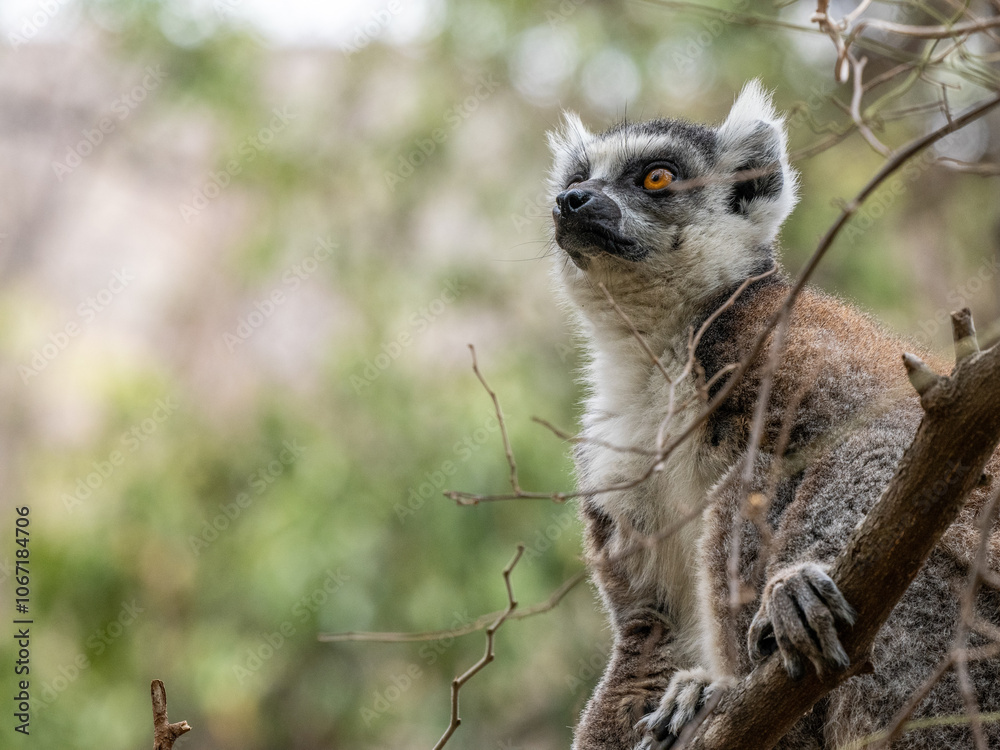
(752, 139)
(569, 146)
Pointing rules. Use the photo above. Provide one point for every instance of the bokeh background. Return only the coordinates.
(243, 248)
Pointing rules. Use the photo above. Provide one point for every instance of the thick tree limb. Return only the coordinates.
(958, 434)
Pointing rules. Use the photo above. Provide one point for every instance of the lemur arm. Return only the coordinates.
(801, 606)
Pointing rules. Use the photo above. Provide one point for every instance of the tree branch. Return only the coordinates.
(458, 682)
(480, 623)
(164, 733)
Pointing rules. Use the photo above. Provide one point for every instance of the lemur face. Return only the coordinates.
(646, 192)
(626, 195)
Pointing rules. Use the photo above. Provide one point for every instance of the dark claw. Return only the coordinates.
(662, 735)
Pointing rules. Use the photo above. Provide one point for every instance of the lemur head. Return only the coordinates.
(671, 203)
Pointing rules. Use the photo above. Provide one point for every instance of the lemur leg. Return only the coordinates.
(641, 661)
(633, 682)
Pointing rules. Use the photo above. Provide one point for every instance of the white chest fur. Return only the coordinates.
(633, 405)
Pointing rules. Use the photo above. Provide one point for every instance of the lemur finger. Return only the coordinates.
(819, 620)
(827, 590)
(760, 637)
(689, 699)
(657, 731)
(789, 632)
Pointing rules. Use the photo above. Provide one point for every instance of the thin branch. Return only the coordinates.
(480, 623)
(932, 721)
(964, 334)
(635, 332)
(859, 120)
(944, 31)
(508, 451)
(578, 439)
(737, 594)
(833, 29)
(742, 19)
(986, 169)
(458, 682)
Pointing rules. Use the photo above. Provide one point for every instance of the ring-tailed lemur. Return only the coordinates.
(671, 218)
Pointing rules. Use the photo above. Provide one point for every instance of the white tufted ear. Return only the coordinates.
(571, 136)
(753, 138)
(568, 145)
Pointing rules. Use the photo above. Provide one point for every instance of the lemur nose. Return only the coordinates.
(572, 201)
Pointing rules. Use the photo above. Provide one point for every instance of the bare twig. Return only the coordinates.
(508, 451)
(944, 31)
(480, 623)
(164, 733)
(635, 333)
(859, 120)
(737, 595)
(964, 333)
(576, 439)
(458, 682)
(986, 169)
(743, 19)
(832, 29)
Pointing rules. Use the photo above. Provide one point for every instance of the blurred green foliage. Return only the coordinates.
(208, 560)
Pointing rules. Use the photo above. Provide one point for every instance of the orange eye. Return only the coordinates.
(657, 179)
